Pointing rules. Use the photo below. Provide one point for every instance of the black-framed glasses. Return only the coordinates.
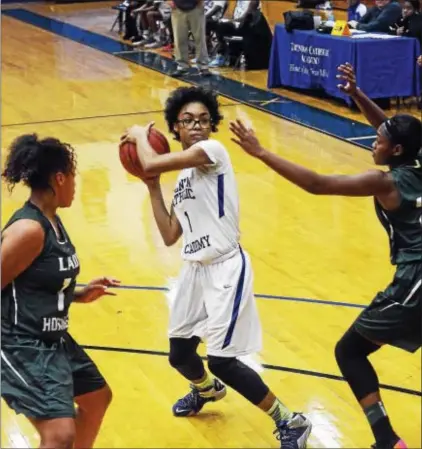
(190, 123)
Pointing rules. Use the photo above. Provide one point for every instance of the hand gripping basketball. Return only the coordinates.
(129, 156)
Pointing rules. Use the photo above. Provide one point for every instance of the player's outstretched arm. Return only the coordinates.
(374, 114)
(22, 243)
(370, 183)
(96, 289)
(167, 223)
(155, 164)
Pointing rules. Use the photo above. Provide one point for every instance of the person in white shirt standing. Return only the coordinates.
(214, 297)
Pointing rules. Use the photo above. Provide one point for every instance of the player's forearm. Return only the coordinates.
(161, 214)
(79, 295)
(145, 153)
(369, 109)
(305, 179)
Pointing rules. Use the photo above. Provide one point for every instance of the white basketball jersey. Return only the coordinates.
(206, 204)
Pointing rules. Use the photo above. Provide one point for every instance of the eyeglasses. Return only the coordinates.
(190, 123)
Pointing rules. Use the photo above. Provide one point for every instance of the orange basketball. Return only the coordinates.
(158, 141)
(129, 156)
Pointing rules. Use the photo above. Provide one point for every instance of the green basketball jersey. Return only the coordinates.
(37, 302)
(404, 225)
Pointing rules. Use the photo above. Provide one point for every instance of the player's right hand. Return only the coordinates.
(347, 74)
(246, 138)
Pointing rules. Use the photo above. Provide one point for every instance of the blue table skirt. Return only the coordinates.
(309, 60)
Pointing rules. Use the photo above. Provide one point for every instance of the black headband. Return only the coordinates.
(390, 131)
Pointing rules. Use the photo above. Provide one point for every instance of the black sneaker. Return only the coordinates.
(192, 403)
(294, 433)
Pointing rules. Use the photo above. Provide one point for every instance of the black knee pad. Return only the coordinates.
(240, 377)
(351, 353)
(182, 351)
(341, 351)
(353, 345)
(221, 366)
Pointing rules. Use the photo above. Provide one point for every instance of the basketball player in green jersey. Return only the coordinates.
(43, 370)
(394, 316)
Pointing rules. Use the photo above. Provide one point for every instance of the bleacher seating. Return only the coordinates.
(274, 9)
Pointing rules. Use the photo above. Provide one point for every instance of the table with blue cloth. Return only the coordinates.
(384, 68)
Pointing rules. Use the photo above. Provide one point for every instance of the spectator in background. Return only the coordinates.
(161, 14)
(214, 10)
(145, 36)
(189, 15)
(169, 27)
(379, 18)
(410, 23)
(237, 26)
(131, 27)
(356, 10)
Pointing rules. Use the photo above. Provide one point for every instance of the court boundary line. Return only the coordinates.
(92, 117)
(257, 295)
(354, 139)
(17, 15)
(271, 367)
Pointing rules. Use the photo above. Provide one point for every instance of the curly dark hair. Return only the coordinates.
(184, 95)
(34, 161)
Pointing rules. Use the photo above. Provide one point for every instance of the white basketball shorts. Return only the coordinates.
(216, 303)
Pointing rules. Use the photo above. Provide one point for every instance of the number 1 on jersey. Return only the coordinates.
(189, 223)
(60, 301)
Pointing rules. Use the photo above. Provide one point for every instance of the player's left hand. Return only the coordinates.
(419, 61)
(98, 288)
(246, 138)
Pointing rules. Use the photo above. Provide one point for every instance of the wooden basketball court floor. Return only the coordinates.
(317, 260)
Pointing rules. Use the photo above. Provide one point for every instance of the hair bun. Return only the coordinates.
(34, 161)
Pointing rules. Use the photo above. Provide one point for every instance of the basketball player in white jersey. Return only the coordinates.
(214, 297)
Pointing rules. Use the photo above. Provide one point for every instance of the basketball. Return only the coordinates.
(158, 141)
(129, 156)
